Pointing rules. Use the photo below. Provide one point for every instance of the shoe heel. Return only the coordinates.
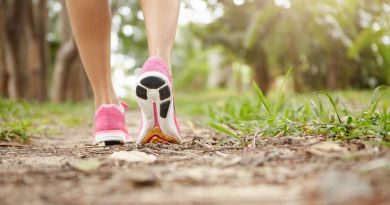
(110, 137)
(154, 97)
(156, 135)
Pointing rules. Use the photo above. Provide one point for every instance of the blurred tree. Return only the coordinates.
(129, 31)
(24, 49)
(231, 32)
(3, 72)
(340, 44)
(331, 44)
(25, 60)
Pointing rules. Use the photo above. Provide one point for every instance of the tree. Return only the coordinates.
(25, 61)
(23, 49)
(323, 40)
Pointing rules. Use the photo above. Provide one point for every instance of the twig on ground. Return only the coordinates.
(150, 151)
(254, 137)
(220, 149)
(203, 145)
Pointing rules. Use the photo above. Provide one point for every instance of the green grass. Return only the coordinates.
(197, 103)
(20, 120)
(342, 115)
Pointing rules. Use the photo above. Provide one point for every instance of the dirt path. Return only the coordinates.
(286, 170)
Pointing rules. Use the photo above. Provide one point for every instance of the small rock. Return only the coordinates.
(143, 179)
(133, 156)
(327, 148)
(85, 165)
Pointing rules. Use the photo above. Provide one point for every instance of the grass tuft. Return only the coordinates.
(19, 120)
(305, 115)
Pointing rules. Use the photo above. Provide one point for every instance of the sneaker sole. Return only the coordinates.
(155, 99)
(111, 137)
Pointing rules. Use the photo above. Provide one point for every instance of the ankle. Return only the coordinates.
(106, 100)
(164, 54)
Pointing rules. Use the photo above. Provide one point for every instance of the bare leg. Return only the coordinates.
(91, 24)
(161, 21)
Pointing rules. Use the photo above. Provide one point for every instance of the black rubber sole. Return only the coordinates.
(153, 82)
(141, 92)
(164, 107)
(164, 92)
(108, 143)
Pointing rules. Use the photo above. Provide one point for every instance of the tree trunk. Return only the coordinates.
(261, 77)
(37, 49)
(15, 48)
(257, 59)
(78, 86)
(25, 49)
(3, 69)
(64, 59)
(331, 74)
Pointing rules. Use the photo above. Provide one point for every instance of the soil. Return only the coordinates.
(279, 170)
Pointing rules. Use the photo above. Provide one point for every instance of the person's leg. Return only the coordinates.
(161, 21)
(154, 85)
(91, 25)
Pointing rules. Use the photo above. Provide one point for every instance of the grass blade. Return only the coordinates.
(263, 100)
(385, 115)
(280, 96)
(224, 129)
(333, 103)
(316, 109)
(375, 98)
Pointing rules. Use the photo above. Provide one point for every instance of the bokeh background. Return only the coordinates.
(331, 45)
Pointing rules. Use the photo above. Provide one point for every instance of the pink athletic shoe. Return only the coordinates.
(155, 98)
(110, 124)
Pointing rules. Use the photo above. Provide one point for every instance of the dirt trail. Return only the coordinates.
(285, 170)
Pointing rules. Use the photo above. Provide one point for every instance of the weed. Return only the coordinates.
(15, 131)
(300, 116)
(19, 119)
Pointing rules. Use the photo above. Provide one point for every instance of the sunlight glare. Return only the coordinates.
(198, 12)
(124, 11)
(283, 3)
(386, 40)
(127, 30)
(238, 2)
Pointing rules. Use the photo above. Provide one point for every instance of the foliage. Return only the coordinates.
(129, 30)
(320, 113)
(197, 102)
(13, 129)
(21, 120)
(341, 44)
(16, 131)
(191, 67)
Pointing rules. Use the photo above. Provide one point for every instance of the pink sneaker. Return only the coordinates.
(155, 98)
(110, 124)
